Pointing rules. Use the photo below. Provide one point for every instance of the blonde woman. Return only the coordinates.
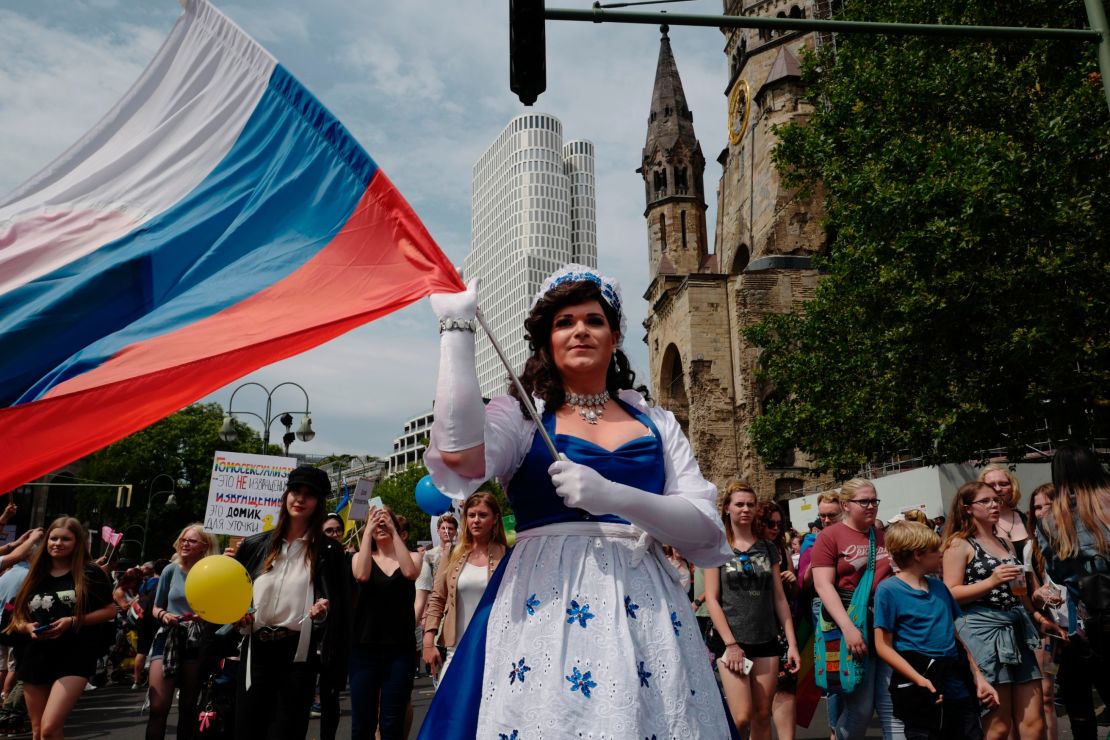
(840, 563)
(174, 615)
(1012, 523)
(747, 604)
(460, 583)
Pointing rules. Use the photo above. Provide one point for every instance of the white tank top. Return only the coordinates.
(468, 592)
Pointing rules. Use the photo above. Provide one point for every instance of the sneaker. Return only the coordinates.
(314, 712)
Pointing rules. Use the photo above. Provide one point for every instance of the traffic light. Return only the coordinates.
(527, 52)
(123, 496)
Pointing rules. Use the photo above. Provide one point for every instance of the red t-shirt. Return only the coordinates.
(841, 547)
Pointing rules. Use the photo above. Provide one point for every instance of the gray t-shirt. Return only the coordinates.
(747, 593)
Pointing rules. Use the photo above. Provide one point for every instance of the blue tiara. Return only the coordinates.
(575, 273)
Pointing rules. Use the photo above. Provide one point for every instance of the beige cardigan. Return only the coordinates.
(442, 599)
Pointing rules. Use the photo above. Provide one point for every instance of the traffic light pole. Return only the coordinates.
(1098, 33)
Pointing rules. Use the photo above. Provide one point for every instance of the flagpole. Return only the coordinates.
(526, 398)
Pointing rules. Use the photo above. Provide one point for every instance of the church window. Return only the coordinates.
(660, 182)
(663, 231)
(680, 183)
(796, 12)
(682, 215)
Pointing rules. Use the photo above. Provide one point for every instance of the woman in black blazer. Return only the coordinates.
(300, 625)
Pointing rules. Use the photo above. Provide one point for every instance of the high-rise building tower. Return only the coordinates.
(533, 211)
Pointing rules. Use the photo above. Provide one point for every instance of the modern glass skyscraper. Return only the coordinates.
(533, 211)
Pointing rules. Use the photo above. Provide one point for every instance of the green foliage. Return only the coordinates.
(967, 301)
(181, 447)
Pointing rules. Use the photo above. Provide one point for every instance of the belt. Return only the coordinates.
(273, 634)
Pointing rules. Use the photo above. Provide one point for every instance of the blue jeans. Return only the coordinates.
(872, 696)
(385, 674)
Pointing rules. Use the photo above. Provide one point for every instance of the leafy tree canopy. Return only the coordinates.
(174, 454)
(967, 301)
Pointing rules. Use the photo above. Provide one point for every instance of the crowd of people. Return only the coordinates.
(637, 600)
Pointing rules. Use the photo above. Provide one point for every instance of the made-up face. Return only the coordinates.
(582, 342)
(300, 502)
(1000, 483)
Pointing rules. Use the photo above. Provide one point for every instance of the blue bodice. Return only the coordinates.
(637, 463)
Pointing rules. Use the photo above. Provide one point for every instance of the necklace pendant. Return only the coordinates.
(591, 416)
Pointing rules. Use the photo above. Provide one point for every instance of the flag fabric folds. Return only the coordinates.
(218, 219)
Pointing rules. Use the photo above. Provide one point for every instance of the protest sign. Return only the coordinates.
(244, 495)
(360, 499)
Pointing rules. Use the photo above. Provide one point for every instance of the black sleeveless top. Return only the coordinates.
(384, 616)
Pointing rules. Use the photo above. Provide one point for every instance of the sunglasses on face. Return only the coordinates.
(772, 523)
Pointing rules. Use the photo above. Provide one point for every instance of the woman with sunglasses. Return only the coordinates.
(747, 605)
(840, 561)
(783, 712)
(981, 570)
(1012, 523)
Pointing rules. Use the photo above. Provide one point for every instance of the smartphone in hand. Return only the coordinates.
(41, 628)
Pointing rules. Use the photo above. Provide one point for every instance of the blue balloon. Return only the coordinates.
(430, 499)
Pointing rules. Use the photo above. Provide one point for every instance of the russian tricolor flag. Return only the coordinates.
(217, 220)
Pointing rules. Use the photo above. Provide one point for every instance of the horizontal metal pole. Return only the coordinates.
(598, 15)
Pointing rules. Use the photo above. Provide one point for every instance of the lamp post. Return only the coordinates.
(304, 432)
(150, 494)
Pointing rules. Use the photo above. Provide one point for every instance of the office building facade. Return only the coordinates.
(533, 211)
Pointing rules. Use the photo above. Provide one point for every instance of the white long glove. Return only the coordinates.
(460, 416)
(669, 519)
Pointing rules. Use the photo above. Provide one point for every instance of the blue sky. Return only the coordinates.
(423, 85)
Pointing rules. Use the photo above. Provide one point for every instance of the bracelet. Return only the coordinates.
(457, 325)
(730, 644)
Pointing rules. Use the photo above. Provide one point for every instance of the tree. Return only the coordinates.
(967, 301)
(180, 446)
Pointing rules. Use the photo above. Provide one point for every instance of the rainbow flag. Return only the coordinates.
(216, 220)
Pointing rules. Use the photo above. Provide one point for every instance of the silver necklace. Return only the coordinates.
(590, 407)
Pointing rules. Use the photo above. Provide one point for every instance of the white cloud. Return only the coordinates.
(423, 84)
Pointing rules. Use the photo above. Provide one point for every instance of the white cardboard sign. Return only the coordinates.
(360, 499)
(244, 495)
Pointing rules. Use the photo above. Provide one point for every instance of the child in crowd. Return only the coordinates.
(936, 688)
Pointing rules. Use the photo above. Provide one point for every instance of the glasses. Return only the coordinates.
(866, 503)
(332, 530)
(190, 542)
(988, 502)
(745, 563)
(773, 523)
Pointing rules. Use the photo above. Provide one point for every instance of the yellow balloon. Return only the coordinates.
(219, 589)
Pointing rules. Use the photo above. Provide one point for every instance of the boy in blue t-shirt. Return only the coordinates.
(936, 687)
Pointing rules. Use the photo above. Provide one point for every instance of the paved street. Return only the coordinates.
(114, 712)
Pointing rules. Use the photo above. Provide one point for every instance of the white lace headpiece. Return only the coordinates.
(575, 273)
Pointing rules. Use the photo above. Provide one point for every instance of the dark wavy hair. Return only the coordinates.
(540, 377)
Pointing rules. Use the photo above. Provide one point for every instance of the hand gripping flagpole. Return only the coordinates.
(526, 397)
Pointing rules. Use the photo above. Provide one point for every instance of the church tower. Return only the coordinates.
(673, 169)
(688, 326)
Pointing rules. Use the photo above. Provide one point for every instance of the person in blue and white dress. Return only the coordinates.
(584, 630)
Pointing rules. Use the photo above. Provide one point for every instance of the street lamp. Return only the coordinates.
(304, 432)
(150, 494)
